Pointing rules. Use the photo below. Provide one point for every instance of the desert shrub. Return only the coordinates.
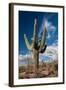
(22, 69)
(56, 67)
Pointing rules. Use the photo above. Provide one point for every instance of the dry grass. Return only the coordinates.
(45, 70)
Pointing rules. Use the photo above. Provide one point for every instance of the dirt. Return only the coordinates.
(44, 70)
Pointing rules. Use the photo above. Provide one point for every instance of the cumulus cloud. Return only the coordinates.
(46, 57)
(50, 54)
(24, 57)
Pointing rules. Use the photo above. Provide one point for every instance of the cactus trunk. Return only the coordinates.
(36, 60)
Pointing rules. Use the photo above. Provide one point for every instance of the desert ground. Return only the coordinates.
(46, 69)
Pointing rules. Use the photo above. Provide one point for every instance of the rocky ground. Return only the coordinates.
(45, 69)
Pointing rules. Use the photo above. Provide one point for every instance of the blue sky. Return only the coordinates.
(26, 26)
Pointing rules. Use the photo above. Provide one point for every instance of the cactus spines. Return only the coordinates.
(37, 46)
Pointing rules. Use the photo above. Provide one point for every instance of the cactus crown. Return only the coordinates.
(38, 45)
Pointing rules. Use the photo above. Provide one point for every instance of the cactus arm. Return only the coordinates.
(42, 44)
(43, 50)
(27, 42)
(35, 40)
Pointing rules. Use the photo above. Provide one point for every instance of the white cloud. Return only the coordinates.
(51, 53)
(55, 43)
(24, 57)
(53, 27)
(48, 36)
(49, 26)
(50, 29)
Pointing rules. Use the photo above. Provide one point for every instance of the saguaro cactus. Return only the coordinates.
(37, 46)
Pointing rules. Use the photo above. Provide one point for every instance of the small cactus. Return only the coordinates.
(37, 46)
